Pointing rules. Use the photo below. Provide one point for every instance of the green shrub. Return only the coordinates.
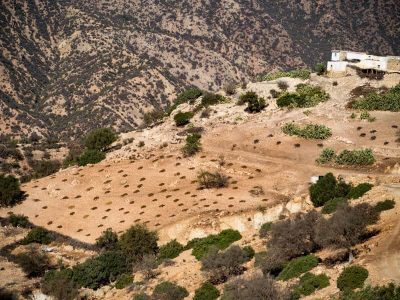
(45, 168)
(352, 277)
(331, 205)
(389, 100)
(123, 281)
(265, 229)
(91, 157)
(200, 246)
(182, 118)
(327, 155)
(33, 263)
(366, 116)
(310, 131)
(209, 180)
(170, 250)
(386, 292)
(100, 139)
(309, 283)
(38, 235)
(306, 96)
(169, 291)
(299, 73)
(100, 270)
(138, 241)
(141, 296)
(259, 258)
(298, 266)
(189, 95)
(320, 68)
(385, 205)
(206, 292)
(326, 188)
(10, 192)
(19, 221)
(59, 285)
(355, 157)
(107, 240)
(192, 145)
(249, 252)
(359, 190)
(211, 99)
(254, 102)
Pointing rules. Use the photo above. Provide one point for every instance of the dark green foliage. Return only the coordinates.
(192, 145)
(389, 100)
(298, 266)
(320, 68)
(38, 235)
(326, 188)
(169, 291)
(306, 96)
(34, 263)
(170, 250)
(310, 131)
(386, 292)
(138, 241)
(100, 139)
(309, 283)
(331, 205)
(19, 221)
(327, 155)
(209, 180)
(249, 252)
(141, 296)
(260, 258)
(107, 240)
(206, 292)
(44, 168)
(385, 205)
(10, 192)
(355, 157)
(100, 270)
(222, 240)
(188, 95)
(59, 285)
(123, 281)
(254, 102)
(265, 229)
(297, 73)
(359, 190)
(91, 157)
(211, 99)
(182, 118)
(352, 277)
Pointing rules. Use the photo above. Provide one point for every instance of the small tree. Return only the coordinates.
(138, 241)
(107, 240)
(169, 291)
(206, 292)
(326, 188)
(91, 157)
(100, 139)
(170, 250)
(59, 285)
(34, 263)
(320, 68)
(254, 102)
(212, 180)
(10, 192)
(352, 277)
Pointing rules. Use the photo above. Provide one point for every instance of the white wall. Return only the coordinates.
(336, 66)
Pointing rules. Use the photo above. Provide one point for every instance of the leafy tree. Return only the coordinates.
(100, 139)
(182, 118)
(298, 266)
(91, 157)
(206, 292)
(326, 188)
(169, 291)
(170, 250)
(138, 241)
(10, 192)
(38, 235)
(107, 240)
(254, 102)
(59, 285)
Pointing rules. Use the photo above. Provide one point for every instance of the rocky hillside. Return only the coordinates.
(69, 66)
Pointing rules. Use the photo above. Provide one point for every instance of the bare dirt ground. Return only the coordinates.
(157, 186)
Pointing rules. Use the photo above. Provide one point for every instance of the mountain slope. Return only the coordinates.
(69, 66)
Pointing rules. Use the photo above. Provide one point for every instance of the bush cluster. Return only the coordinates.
(326, 188)
(254, 102)
(298, 266)
(182, 118)
(200, 246)
(206, 292)
(389, 100)
(352, 277)
(33, 263)
(330, 206)
(38, 235)
(91, 157)
(211, 99)
(306, 95)
(385, 205)
(209, 180)
(10, 191)
(386, 292)
(309, 283)
(192, 145)
(310, 131)
(188, 95)
(359, 190)
(100, 139)
(107, 240)
(299, 73)
(19, 221)
(170, 250)
(347, 157)
(59, 285)
(320, 68)
(169, 291)
(123, 281)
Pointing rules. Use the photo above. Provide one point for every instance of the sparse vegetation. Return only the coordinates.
(230, 88)
(305, 96)
(59, 284)
(300, 73)
(210, 180)
(211, 99)
(192, 145)
(153, 117)
(366, 116)
(182, 118)
(298, 266)
(169, 291)
(189, 95)
(352, 277)
(34, 263)
(310, 131)
(206, 292)
(10, 191)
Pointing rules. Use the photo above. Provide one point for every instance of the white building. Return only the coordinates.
(342, 60)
